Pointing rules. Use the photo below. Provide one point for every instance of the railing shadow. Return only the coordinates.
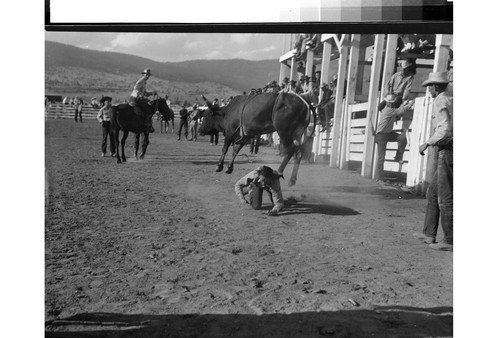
(379, 322)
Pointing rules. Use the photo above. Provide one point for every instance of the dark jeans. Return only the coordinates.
(440, 197)
(381, 140)
(184, 123)
(78, 113)
(106, 130)
(214, 138)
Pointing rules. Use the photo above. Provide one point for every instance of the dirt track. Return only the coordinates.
(161, 247)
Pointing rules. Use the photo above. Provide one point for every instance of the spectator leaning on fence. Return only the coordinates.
(400, 83)
(384, 133)
(104, 119)
(440, 191)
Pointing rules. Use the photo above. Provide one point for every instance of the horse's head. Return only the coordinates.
(211, 121)
(160, 105)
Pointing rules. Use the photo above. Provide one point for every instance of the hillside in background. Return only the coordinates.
(73, 71)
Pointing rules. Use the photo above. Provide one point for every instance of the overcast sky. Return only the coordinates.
(174, 47)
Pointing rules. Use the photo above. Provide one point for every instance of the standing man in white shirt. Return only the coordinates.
(104, 119)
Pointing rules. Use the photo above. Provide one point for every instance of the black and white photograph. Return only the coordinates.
(287, 177)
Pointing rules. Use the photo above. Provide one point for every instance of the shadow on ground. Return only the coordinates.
(385, 192)
(293, 208)
(379, 322)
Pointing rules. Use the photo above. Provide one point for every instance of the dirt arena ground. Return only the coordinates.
(162, 248)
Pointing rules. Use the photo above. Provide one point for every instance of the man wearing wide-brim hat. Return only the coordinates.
(440, 191)
(138, 100)
(385, 134)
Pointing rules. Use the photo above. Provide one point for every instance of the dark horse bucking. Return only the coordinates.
(123, 117)
(247, 116)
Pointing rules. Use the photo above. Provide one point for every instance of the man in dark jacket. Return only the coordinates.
(184, 115)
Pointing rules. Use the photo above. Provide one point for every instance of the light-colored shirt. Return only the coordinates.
(400, 85)
(103, 114)
(442, 118)
(140, 88)
(388, 116)
(194, 115)
(274, 187)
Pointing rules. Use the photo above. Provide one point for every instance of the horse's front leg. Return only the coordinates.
(225, 147)
(161, 127)
(124, 139)
(145, 142)
(236, 150)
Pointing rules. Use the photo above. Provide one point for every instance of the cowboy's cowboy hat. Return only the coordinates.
(147, 71)
(436, 78)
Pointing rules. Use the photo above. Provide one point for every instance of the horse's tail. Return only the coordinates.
(312, 110)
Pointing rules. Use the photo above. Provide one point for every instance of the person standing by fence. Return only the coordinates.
(104, 119)
(440, 192)
(385, 134)
(78, 106)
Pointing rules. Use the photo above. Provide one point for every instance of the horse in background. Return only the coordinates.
(124, 118)
(165, 120)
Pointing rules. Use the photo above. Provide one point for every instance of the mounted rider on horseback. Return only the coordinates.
(138, 100)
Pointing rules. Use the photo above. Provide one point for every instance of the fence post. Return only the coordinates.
(325, 74)
(352, 76)
(339, 98)
(372, 113)
(388, 71)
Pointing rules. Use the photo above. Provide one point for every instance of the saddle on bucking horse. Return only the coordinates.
(144, 110)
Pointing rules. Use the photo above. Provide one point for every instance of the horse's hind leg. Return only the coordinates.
(145, 143)
(236, 150)
(124, 138)
(136, 144)
(116, 140)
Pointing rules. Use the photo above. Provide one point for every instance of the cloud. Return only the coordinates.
(240, 39)
(173, 47)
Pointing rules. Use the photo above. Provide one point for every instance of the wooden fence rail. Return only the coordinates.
(66, 111)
